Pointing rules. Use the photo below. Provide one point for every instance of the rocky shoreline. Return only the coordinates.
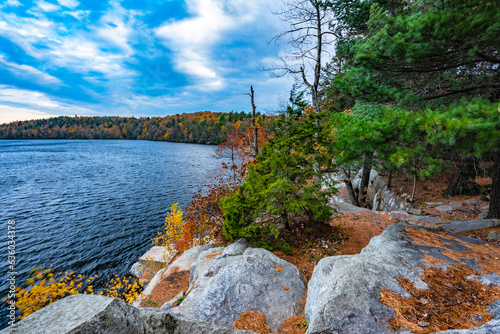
(344, 294)
(242, 289)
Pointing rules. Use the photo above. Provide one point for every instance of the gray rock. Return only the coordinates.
(203, 263)
(434, 203)
(459, 226)
(156, 321)
(455, 205)
(91, 314)
(356, 181)
(344, 207)
(471, 201)
(249, 282)
(424, 219)
(444, 208)
(400, 212)
(376, 201)
(236, 248)
(386, 200)
(483, 214)
(343, 293)
(168, 305)
(83, 314)
(494, 235)
(137, 270)
(413, 211)
(183, 262)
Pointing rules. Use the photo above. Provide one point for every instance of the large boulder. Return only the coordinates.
(344, 293)
(82, 314)
(90, 314)
(227, 284)
(182, 263)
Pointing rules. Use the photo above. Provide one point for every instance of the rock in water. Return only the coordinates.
(232, 284)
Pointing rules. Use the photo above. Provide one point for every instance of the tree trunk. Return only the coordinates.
(350, 193)
(254, 123)
(494, 210)
(365, 179)
(348, 185)
(465, 171)
(389, 181)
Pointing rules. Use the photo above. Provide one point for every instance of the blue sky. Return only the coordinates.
(136, 58)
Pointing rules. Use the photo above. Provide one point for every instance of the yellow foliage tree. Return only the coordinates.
(172, 234)
(45, 287)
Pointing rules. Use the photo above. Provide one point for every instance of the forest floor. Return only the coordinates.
(350, 233)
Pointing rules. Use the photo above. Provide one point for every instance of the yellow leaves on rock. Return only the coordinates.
(45, 287)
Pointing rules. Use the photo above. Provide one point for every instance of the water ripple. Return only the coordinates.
(92, 206)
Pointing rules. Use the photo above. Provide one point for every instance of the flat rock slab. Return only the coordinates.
(455, 205)
(229, 284)
(157, 254)
(460, 226)
(471, 201)
(423, 219)
(434, 203)
(182, 263)
(344, 207)
(344, 293)
(444, 208)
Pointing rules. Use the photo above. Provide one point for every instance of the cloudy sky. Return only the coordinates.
(136, 58)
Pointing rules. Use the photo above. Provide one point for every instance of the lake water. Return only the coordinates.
(91, 205)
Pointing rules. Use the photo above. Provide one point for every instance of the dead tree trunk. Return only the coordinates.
(254, 123)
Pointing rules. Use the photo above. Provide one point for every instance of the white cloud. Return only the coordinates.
(47, 6)
(25, 97)
(68, 3)
(78, 52)
(28, 73)
(193, 37)
(23, 104)
(11, 114)
(116, 27)
(194, 40)
(11, 3)
(78, 14)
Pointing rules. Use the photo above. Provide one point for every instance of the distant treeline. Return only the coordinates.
(199, 127)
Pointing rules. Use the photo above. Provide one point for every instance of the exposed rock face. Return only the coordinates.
(183, 263)
(83, 314)
(459, 226)
(494, 235)
(385, 199)
(90, 314)
(344, 291)
(155, 257)
(242, 279)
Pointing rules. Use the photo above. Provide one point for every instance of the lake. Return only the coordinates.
(91, 206)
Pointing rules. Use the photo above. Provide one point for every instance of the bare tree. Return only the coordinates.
(309, 37)
(254, 123)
